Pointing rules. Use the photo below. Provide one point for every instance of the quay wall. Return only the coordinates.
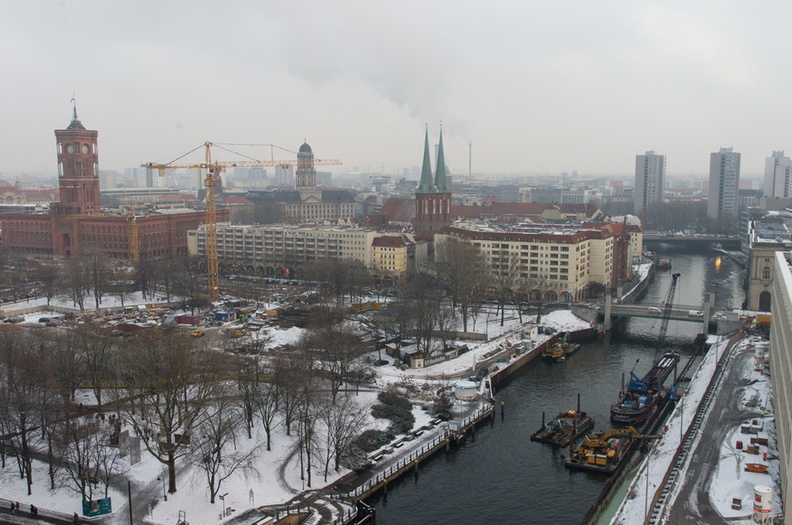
(410, 462)
(498, 377)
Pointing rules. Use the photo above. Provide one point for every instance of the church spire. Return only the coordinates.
(426, 185)
(440, 182)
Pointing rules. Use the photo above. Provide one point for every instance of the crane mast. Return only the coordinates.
(213, 169)
(133, 236)
(667, 306)
(210, 184)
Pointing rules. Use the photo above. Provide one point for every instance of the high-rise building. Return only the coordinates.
(778, 176)
(650, 171)
(724, 181)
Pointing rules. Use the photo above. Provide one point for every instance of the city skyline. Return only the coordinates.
(535, 88)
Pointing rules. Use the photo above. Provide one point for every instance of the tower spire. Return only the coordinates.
(426, 185)
(440, 182)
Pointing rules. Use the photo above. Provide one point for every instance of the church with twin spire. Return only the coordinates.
(433, 195)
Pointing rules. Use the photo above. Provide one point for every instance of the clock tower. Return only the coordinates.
(78, 178)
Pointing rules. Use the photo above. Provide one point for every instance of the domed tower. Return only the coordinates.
(78, 178)
(306, 174)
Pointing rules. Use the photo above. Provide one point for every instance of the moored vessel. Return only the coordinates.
(642, 395)
(565, 429)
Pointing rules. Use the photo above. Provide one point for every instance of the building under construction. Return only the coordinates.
(77, 222)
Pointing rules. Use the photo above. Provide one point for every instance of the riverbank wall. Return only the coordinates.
(500, 376)
(410, 463)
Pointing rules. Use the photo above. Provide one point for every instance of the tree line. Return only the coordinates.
(180, 398)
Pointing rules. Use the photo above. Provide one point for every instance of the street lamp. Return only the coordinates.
(164, 494)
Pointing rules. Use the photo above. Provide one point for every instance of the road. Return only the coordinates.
(693, 506)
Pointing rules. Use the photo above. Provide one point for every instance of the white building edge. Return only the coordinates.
(781, 370)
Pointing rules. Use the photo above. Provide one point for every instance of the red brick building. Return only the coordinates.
(77, 223)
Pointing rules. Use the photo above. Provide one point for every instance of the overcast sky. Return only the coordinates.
(537, 87)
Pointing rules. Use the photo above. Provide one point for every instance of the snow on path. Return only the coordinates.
(726, 484)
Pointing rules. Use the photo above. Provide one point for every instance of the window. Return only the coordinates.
(766, 273)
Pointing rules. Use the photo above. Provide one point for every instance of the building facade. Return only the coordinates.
(307, 203)
(549, 264)
(768, 236)
(277, 250)
(397, 255)
(778, 176)
(781, 370)
(77, 223)
(724, 183)
(650, 180)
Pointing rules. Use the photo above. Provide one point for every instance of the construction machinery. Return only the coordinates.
(213, 169)
(605, 452)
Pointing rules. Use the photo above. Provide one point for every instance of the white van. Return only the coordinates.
(695, 313)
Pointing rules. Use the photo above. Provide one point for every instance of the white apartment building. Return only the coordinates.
(724, 182)
(650, 180)
(278, 249)
(547, 263)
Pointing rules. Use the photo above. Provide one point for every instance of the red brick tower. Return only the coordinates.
(78, 179)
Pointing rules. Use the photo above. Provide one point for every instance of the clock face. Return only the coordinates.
(69, 149)
(85, 148)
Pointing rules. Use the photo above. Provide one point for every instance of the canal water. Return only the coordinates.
(502, 477)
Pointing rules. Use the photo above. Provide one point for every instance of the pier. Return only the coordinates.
(409, 463)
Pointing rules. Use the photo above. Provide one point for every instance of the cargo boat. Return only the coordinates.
(604, 452)
(565, 429)
(663, 264)
(559, 351)
(642, 395)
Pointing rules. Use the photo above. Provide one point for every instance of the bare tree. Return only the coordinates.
(343, 421)
(49, 276)
(76, 284)
(463, 272)
(123, 284)
(503, 279)
(25, 386)
(337, 348)
(217, 432)
(98, 266)
(168, 384)
(98, 353)
(291, 372)
(87, 458)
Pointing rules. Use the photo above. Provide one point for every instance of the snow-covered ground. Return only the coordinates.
(276, 476)
(510, 332)
(730, 480)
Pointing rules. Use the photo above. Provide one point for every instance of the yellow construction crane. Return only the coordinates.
(133, 235)
(213, 169)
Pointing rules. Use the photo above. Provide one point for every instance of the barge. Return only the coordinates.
(642, 395)
(604, 452)
(565, 429)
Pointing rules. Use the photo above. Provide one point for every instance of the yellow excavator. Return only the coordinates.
(601, 452)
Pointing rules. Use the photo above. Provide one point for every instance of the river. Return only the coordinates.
(501, 476)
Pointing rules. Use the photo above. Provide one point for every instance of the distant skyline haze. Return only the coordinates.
(537, 87)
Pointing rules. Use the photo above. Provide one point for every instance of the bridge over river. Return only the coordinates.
(727, 243)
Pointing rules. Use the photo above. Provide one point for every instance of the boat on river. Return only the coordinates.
(642, 395)
(565, 429)
(604, 452)
(560, 351)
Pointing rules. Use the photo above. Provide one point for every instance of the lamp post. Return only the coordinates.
(164, 494)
